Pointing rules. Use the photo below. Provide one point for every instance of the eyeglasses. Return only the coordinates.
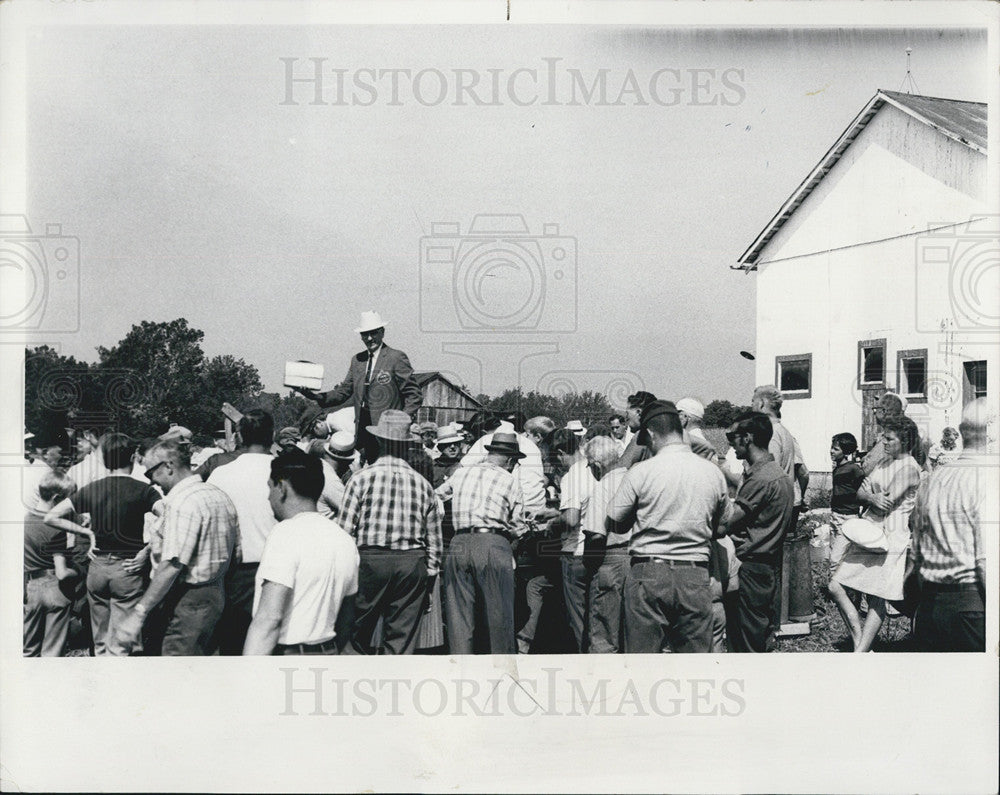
(152, 469)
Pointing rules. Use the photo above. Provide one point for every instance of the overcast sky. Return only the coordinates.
(202, 186)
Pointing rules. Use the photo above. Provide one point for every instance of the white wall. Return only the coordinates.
(898, 178)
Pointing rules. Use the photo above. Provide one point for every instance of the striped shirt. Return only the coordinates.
(200, 530)
(391, 506)
(954, 507)
(486, 495)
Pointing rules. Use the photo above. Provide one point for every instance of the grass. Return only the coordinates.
(827, 630)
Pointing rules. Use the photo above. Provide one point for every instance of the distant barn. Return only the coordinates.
(444, 400)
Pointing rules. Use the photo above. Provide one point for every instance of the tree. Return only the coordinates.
(166, 378)
(591, 408)
(722, 413)
(58, 389)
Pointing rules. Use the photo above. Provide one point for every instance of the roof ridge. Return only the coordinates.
(887, 92)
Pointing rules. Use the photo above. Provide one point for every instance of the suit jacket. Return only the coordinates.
(392, 385)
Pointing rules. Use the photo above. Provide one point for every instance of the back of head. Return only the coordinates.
(565, 442)
(257, 428)
(302, 472)
(541, 425)
(603, 451)
(639, 400)
(517, 419)
(976, 417)
(892, 403)
(55, 487)
(771, 397)
(661, 418)
(116, 450)
(758, 426)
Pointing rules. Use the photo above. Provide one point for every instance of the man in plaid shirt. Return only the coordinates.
(200, 542)
(392, 513)
(486, 509)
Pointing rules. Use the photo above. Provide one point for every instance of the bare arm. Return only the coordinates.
(58, 518)
(265, 627)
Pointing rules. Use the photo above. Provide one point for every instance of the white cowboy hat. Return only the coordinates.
(369, 322)
(576, 426)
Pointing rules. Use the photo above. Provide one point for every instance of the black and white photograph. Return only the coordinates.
(499, 382)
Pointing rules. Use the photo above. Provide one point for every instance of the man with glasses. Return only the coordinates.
(378, 378)
(200, 542)
(757, 524)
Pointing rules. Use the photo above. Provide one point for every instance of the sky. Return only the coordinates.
(202, 184)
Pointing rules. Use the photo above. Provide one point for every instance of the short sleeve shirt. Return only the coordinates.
(41, 542)
(767, 501)
(575, 491)
(318, 561)
(604, 491)
(117, 505)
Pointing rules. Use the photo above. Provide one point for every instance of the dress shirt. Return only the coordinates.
(953, 507)
(245, 481)
(486, 496)
(600, 499)
(390, 505)
(766, 499)
(529, 472)
(675, 499)
(575, 491)
(200, 530)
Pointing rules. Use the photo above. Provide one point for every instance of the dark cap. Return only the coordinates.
(655, 409)
(640, 400)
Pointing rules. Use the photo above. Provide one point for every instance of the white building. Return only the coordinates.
(877, 274)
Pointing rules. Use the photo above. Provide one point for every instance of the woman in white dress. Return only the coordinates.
(888, 495)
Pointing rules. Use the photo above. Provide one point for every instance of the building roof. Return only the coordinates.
(424, 378)
(963, 122)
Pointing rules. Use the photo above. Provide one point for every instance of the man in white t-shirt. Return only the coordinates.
(245, 482)
(308, 574)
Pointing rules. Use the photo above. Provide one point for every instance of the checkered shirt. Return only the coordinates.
(955, 507)
(200, 530)
(486, 495)
(391, 506)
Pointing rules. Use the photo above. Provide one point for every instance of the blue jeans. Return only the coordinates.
(111, 592)
(46, 617)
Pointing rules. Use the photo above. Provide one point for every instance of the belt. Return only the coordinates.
(123, 554)
(771, 559)
(617, 548)
(637, 559)
(326, 647)
(479, 530)
(948, 587)
(39, 573)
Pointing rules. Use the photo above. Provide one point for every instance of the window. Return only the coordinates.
(793, 375)
(911, 375)
(974, 383)
(871, 363)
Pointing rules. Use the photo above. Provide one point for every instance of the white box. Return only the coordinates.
(304, 374)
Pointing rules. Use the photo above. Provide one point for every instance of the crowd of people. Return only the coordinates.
(361, 532)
